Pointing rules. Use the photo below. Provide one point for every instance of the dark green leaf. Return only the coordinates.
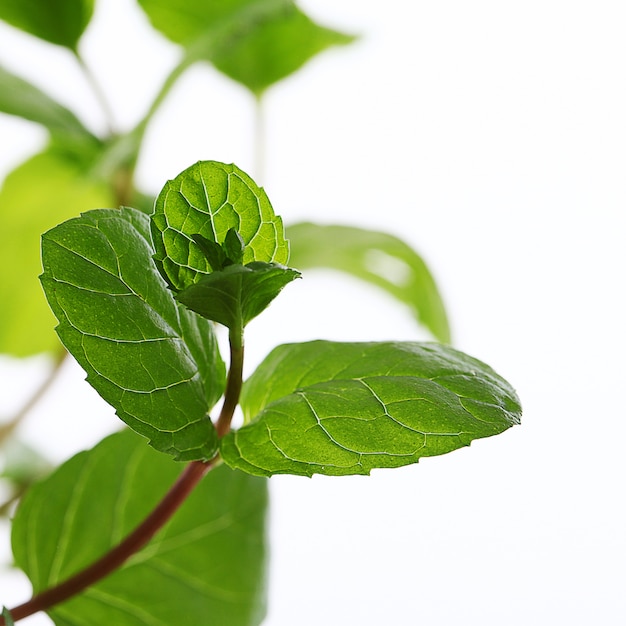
(256, 42)
(209, 199)
(238, 293)
(275, 49)
(207, 566)
(58, 21)
(380, 259)
(346, 408)
(154, 361)
(40, 193)
(19, 97)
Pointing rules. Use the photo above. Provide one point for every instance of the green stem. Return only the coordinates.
(115, 558)
(233, 383)
(98, 93)
(259, 139)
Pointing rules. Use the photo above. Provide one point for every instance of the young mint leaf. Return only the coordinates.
(378, 258)
(346, 408)
(233, 247)
(21, 98)
(207, 566)
(209, 199)
(238, 293)
(58, 21)
(45, 190)
(155, 362)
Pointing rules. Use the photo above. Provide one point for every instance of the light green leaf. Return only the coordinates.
(238, 293)
(207, 566)
(255, 42)
(58, 21)
(154, 361)
(21, 98)
(208, 199)
(276, 49)
(346, 408)
(378, 258)
(40, 193)
(189, 19)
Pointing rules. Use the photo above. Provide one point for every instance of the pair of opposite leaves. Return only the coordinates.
(317, 407)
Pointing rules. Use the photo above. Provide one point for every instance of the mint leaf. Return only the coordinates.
(45, 190)
(21, 98)
(155, 362)
(238, 293)
(8, 619)
(346, 408)
(207, 566)
(255, 42)
(275, 49)
(60, 22)
(378, 258)
(209, 199)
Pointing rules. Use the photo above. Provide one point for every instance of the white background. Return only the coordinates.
(492, 137)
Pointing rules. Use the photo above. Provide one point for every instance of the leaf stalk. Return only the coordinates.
(116, 557)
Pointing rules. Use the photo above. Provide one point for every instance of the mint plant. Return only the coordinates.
(175, 531)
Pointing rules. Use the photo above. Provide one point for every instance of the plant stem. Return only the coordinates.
(115, 558)
(259, 139)
(233, 383)
(98, 93)
(6, 429)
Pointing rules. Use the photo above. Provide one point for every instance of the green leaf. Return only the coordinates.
(346, 408)
(21, 98)
(238, 293)
(255, 42)
(378, 258)
(207, 566)
(43, 191)
(154, 361)
(209, 199)
(276, 49)
(58, 21)
(8, 619)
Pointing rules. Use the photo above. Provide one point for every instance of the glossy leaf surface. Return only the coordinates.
(58, 21)
(378, 258)
(207, 566)
(21, 98)
(209, 199)
(154, 361)
(346, 408)
(238, 293)
(40, 193)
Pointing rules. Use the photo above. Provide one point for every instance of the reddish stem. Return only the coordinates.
(177, 494)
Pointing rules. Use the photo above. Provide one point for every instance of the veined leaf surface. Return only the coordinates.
(347, 408)
(378, 258)
(208, 199)
(207, 566)
(43, 191)
(238, 293)
(156, 362)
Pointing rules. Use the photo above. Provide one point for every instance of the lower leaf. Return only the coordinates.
(207, 566)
